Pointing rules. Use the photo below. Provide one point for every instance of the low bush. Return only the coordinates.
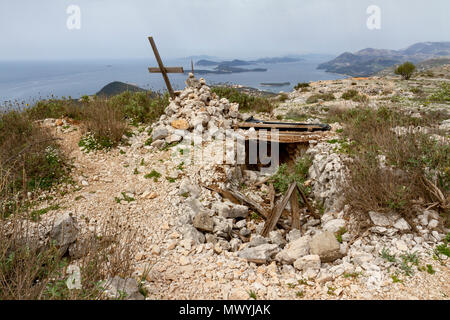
(320, 96)
(354, 96)
(246, 102)
(29, 159)
(301, 85)
(406, 70)
(410, 161)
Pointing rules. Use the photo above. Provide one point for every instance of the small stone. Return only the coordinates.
(380, 219)
(203, 222)
(241, 224)
(235, 244)
(334, 225)
(401, 245)
(172, 244)
(260, 254)
(160, 133)
(307, 262)
(401, 224)
(181, 124)
(156, 250)
(433, 224)
(238, 294)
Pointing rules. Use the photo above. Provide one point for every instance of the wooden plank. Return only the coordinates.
(275, 215)
(162, 68)
(168, 70)
(271, 196)
(255, 207)
(308, 205)
(278, 126)
(287, 136)
(225, 194)
(295, 211)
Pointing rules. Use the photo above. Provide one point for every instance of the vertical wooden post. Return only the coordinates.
(295, 211)
(161, 67)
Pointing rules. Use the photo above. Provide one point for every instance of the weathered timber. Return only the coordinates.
(275, 214)
(295, 211)
(167, 70)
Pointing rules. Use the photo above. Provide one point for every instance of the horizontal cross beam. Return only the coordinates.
(167, 70)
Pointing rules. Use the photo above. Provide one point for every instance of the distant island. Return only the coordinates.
(370, 61)
(235, 66)
(275, 84)
(118, 87)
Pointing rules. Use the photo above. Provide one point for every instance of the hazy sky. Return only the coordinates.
(31, 29)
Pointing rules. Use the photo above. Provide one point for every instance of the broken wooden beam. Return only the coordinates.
(275, 215)
(306, 202)
(295, 211)
(167, 70)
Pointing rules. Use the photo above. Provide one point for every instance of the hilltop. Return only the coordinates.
(369, 61)
(377, 185)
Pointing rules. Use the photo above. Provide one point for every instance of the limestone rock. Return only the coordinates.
(160, 133)
(181, 124)
(325, 246)
(118, 287)
(334, 225)
(294, 250)
(259, 254)
(64, 231)
(203, 222)
(308, 262)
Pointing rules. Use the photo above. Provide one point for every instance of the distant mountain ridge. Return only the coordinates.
(238, 63)
(369, 61)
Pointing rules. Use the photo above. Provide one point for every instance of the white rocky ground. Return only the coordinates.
(165, 217)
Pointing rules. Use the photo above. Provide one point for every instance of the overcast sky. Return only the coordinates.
(31, 29)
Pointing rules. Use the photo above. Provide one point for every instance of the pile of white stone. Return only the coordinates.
(327, 174)
(195, 109)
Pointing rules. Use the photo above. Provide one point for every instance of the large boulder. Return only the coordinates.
(260, 254)
(325, 246)
(64, 231)
(294, 250)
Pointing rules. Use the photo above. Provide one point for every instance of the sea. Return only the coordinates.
(30, 81)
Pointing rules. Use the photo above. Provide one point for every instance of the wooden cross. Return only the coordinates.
(162, 69)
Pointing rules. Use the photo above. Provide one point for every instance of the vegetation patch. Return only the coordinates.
(320, 96)
(246, 102)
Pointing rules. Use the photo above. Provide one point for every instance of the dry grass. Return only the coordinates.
(29, 271)
(29, 159)
(104, 121)
(389, 172)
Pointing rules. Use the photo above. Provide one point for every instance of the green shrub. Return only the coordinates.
(320, 96)
(354, 96)
(442, 95)
(284, 177)
(406, 70)
(301, 85)
(246, 102)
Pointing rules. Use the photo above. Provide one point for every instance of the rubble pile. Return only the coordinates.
(195, 109)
